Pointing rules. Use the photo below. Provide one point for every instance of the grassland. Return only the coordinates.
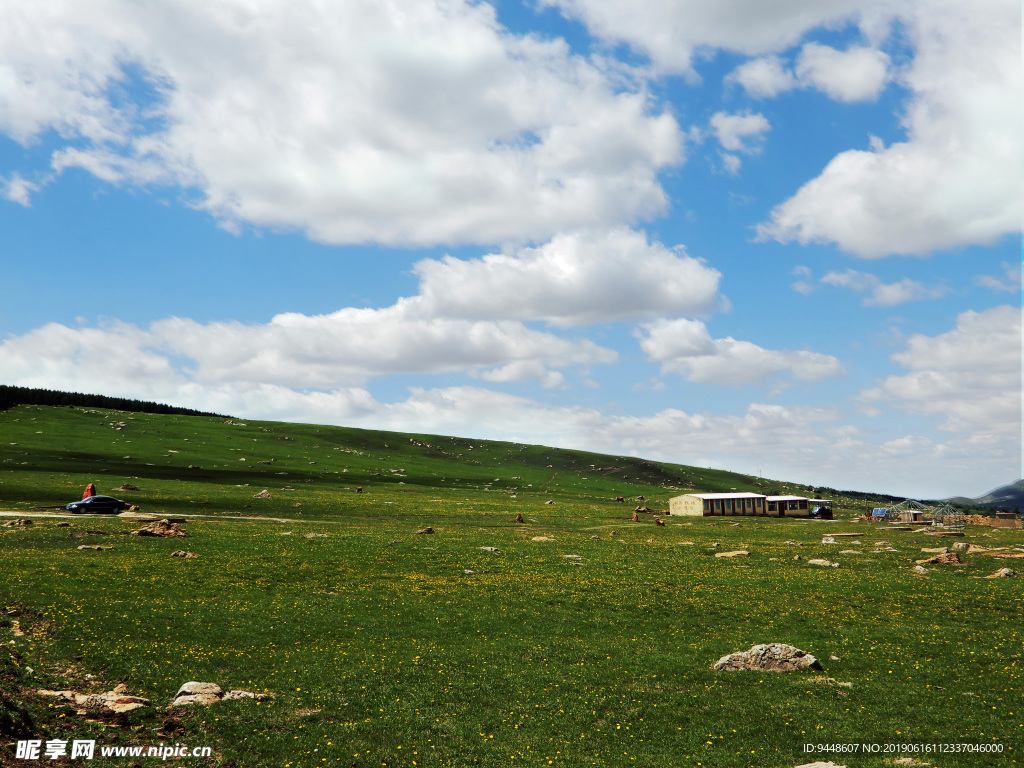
(385, 647)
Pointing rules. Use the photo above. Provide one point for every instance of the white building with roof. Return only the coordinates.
(707, 504)
(744, 503)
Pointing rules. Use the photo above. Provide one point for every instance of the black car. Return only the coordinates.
(97, 505)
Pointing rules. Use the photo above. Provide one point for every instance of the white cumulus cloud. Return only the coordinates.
(733, 131)
(856, 74)
(686, 347)
(407, 122)
(881, 294)
(764, 77)
(673, 34)
(958, 178)
(573, 279)
(970, 376)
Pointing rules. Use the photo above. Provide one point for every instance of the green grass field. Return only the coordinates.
(383, 647)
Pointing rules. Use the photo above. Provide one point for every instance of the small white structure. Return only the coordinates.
(788, 506)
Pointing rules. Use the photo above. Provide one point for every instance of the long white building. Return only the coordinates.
(743, 503)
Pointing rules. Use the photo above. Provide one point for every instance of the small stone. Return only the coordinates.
(920, 569)
(93, 546)
(314, 536)
(1002, 573)
(426, 530)
(245, 695)
(541, 538)
(264, 494)
(183, 553)
(489, 549)
(822, 562)
(734, 553)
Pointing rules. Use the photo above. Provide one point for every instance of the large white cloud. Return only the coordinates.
(958, 179)
(686, 347)
(674, 34)
(969, 377)
(343, 349)
(401, 122)
(574, 279)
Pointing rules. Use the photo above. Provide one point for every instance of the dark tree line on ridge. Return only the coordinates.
(12, 396)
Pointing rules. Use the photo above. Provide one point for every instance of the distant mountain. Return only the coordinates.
(1007, 496)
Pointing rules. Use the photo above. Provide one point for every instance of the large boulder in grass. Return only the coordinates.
(205, 694)
(194, 692)
(949, 558)
(117, 701)
(771, 657)
(163, 528)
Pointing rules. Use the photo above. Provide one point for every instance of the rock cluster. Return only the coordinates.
(772, 657)
(949, 558)
(205, 694)
(164, 528)
(1002, 573)
(116, 702)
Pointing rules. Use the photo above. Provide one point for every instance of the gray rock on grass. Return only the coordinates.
(205, 694)
(117, 701)
(771, 657)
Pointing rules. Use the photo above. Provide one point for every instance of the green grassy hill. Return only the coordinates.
(575, 638)
(191, 464)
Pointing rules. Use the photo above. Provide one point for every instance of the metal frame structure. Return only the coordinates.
(948, 516)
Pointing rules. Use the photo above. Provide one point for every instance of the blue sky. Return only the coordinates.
(779, 237)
